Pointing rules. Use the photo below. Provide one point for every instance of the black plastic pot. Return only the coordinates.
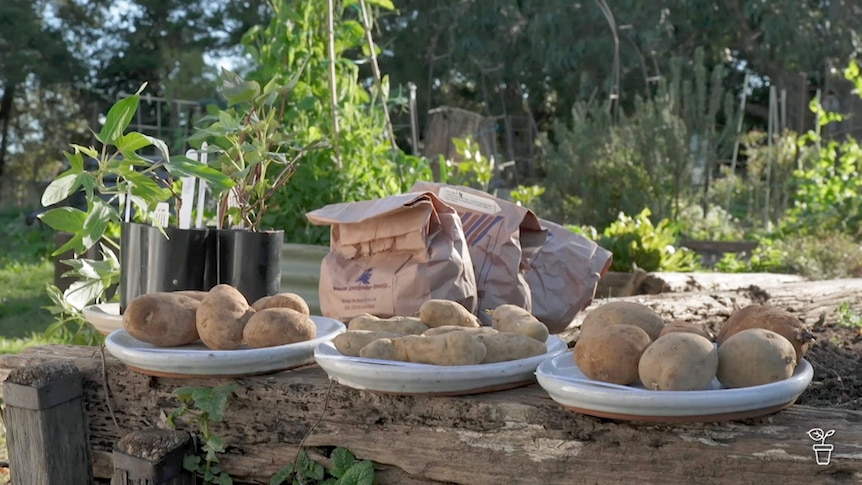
(151, 262)
(248, 261)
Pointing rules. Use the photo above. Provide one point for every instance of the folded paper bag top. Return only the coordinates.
(565, 274)
(387, 256)
(502, 237)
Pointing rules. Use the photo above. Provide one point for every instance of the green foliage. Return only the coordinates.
(599, 166)
(828, 190)
(204, 405)
(69, 326)
(827, 255)
(715, 225)
(472, 170)
(636, 242)
(253, 148)
(525, 195)
(770, 183)
(847, 317)
(370, 167)
(346, 470)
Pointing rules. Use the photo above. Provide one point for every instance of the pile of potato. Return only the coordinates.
(627, 342)
(221, 318)
(445, 333)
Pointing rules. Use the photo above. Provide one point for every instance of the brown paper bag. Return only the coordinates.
(565, 272)
(387, 256)
(502, 238)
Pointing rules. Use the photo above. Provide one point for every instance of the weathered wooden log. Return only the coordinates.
(152, 457)
(514, 436)
(814, 302)
(45, 429)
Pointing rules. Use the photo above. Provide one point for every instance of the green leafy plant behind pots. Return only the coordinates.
(252, 147)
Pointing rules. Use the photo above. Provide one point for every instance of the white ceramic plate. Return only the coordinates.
(105, 317)
(408, 378)
(197, 360)
(566, 384)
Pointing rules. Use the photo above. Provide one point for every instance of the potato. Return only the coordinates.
(399, 325)
(611, 353)
(753, 357)
(454, 348)
(278, 326)
(683, 326)
(162, 319)
(502, 347)
(221, 317)
(282, 300)
(514, 319)
(771, 318)
(624, 312)
(196, 294)
(678, 361)
(352, 341)
(437, 313)
(457, 328)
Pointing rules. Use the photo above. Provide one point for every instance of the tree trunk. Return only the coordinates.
(6, 104)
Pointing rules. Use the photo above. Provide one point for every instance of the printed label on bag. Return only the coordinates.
(469, 201)
(369, 292)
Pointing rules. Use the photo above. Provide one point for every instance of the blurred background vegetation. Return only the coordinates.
(641, 124)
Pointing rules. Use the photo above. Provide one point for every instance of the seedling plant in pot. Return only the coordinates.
(248, 143)
(120, 186)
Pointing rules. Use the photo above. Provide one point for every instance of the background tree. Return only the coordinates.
(35, 56)
(488, 56)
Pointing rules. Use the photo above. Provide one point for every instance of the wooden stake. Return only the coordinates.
(333, 84)
(152, 457)
(45, 426)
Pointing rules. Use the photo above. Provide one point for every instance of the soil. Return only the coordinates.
(837, 360)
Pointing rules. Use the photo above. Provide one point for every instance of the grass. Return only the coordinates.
(25, 270)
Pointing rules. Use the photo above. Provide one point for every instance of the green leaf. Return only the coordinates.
(118, 119)
(224, 479)
(213, 445)
(211, 400)
(61, 188)
(236, 90)
(96, 223)
(146, 188)
(89, 151)
(384, 4)
(66, 219)
(192, 463)
(361, 473)
(132, 142)
(342, 459)
(282, 475)
(182, 165)
(91, 268)
(74, 243)
(83, 292)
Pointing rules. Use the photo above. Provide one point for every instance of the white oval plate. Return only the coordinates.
(197, 360)
(409, 378)
(565, 383)
(105, 317)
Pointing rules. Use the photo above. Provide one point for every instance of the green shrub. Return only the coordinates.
(636, 243)
(371, 166)
(716, 225)
(828, 255)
